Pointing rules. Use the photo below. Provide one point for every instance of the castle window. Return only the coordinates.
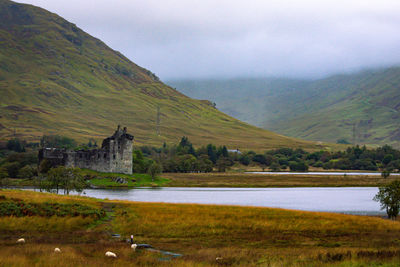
(119, 147)
(98, 156)
(80, 155)
(114, 156)
(105, 155)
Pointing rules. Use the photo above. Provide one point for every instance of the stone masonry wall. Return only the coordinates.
(115, 155)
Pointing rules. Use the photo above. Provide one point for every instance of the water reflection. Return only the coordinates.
(350, 200)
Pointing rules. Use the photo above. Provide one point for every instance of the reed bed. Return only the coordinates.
(240, 179)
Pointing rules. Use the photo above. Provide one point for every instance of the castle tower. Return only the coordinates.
(119, 149)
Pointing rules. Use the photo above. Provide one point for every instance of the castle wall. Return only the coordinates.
(96, 159)
(114, 156)
(55, 156)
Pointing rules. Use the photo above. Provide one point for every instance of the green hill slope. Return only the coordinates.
(57, 79)
(362, 108)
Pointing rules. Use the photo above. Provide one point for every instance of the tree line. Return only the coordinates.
(18, 159)
(183, 157)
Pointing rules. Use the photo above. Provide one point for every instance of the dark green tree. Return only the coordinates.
(245, 160)
(154, 170)
(44, 166)
(389, 197)
(222, 164)
(387, 159)
(385, 173)
(299, 166)
(3, 175)
(212, 154)
(203, 164)
(60, 177)
(15, 145)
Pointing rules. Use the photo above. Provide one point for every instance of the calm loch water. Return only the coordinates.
(350, 200)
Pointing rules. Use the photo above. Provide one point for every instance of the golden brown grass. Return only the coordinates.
(239, 179)
(245, 236)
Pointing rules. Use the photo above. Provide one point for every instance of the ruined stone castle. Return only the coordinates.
(115, 155)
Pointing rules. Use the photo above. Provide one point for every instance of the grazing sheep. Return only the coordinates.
(134, 246)
(218, 259)
(111, 254)
(57, 250)
(21, 241)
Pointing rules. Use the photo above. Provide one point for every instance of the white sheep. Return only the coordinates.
(134, 246)
(111, 254)
(57, 250)
(21, 241)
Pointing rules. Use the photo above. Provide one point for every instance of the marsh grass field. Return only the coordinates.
(241, 236)
(240, 179)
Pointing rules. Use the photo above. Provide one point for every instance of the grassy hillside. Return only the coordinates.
(57, 79)
(240, 236)
(326, 109)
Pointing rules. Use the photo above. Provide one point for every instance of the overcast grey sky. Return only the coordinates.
(252, 38)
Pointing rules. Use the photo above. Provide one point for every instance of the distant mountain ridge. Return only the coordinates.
(57, 79)
(361, 107)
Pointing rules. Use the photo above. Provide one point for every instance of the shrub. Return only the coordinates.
(12, 168)
(300, 166)
(318, 164)
(19, 208)
(245, 160)
(327, 165)
(275, 167)
(27, 172)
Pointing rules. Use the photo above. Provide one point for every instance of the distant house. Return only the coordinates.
(237, 151)
(115, 155)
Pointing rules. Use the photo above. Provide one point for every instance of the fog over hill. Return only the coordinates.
(362, 108)
(180, 39)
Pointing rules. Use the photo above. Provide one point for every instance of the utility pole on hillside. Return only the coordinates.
(354, 134)
(158, 121)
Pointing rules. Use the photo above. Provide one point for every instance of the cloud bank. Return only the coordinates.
(255, 38)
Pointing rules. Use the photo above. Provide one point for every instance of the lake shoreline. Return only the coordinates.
(245, 180)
